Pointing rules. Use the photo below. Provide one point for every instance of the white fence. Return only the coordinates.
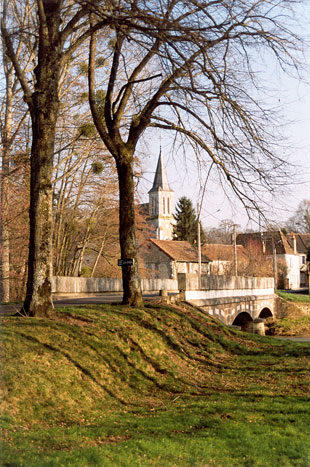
(69, 285)
(213, 286)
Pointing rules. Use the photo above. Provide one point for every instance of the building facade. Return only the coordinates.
(165, 259)
(290, 251)
(161, 204)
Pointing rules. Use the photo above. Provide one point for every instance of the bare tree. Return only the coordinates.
(176, 65)
(221, 234)
(300, 221)
(56, 29)
(84, 183)
(188, 67)
(12, 118)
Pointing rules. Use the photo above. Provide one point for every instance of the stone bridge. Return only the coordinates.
(233, 300)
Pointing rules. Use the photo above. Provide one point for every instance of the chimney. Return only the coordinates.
(263, 243)
(294, 243)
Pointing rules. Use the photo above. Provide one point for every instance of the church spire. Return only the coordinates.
(161, 203)
(160, 180)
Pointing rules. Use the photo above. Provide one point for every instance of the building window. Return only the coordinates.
(164, 206)
(152, 206)
(168, 205)
(303, 260)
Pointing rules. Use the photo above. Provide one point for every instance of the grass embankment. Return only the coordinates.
(296, 323)
(116, 386)
(295, 326)
(294, 297)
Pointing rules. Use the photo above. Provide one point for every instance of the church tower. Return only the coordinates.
(161, 204)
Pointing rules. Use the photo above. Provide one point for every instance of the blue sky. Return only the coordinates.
(294, 98)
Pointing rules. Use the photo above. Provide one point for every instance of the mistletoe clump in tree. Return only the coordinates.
(189, 68)
(186, 227)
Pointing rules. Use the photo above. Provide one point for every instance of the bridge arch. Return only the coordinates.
(244, 320)
(265, 313)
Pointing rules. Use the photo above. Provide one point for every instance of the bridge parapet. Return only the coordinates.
(211, 282)
(227, 297)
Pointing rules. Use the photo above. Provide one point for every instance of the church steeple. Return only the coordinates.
(161, 203)
(160, 180)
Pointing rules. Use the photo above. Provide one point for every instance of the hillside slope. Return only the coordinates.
(90, 360)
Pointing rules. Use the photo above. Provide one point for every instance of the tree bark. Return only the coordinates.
(4, 231)
(38, 300)
(4, 228)
(127, 232)
(44, 110)
(4, 196)
(110, 134)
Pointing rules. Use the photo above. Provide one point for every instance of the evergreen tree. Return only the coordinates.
(186, 222)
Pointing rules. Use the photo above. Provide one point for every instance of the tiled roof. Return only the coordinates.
(269, 238)
(302, 241)
(224, 252)
(179, 250)
(306, 239)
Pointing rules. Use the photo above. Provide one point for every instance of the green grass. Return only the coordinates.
(165, 386)
(294, 297)
(297, 321)
(295, 326)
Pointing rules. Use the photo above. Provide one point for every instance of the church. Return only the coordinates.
(162, 256)
(161, 204)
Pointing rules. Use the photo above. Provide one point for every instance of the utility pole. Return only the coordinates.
(235, 250)
(308, 268)
(199, 246)
(198, 226)
(274, 256)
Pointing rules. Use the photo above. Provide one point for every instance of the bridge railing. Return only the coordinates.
(189, 281)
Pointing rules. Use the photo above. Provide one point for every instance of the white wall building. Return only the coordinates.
(161, 204)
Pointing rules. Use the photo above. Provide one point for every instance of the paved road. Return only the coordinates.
(8, 309)
(294, 339)
(82, 300)
(96, 299)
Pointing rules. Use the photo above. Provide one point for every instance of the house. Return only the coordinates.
(222, 257)
(289, 251)
(166, 258)
(300, 243)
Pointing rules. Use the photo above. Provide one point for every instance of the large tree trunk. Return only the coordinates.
(4, 231)
(44, 111)
(127, 233)
(5, 191)
(38, 300)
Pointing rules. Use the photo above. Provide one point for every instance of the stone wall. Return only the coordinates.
(228, 310)
(293, 310)
(225, 297)
(74, 285)
(158, 263)
(208, 282)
